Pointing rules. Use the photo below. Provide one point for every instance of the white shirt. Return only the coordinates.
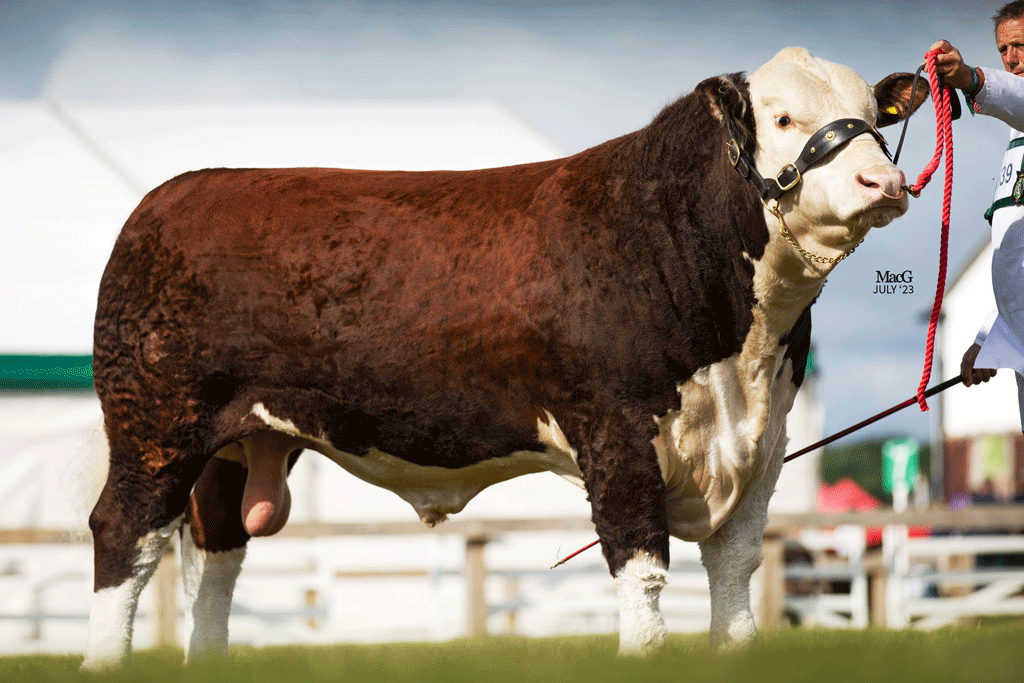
(1000, 337)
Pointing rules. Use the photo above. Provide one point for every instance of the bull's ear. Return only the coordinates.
(893, 96)
(725, 98)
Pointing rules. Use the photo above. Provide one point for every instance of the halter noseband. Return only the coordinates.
(826, 140)
(817, 148)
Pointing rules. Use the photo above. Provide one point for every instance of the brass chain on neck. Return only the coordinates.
(784, 229)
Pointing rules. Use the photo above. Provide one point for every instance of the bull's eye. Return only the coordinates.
(784, 122)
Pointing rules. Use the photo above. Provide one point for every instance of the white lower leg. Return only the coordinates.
(638, 584)
(112, 614)
(732, 621)
(730, 557)
(209, 581)
(111, 624)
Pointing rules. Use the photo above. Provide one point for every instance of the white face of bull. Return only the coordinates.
(853, 189)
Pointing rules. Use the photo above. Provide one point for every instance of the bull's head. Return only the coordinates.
(852, 186)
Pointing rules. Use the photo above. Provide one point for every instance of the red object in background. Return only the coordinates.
(846, 495)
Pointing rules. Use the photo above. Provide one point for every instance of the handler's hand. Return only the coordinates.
(968, 373)
(951, 67)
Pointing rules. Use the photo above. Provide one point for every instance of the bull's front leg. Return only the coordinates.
(731, 555)
(627, 498)
(638, 584)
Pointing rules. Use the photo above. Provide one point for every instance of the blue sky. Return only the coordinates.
(577, 73)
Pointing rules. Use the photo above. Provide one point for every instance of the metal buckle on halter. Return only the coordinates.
(788, 170)
(734, 152)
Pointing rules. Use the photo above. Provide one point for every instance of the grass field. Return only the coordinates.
(991, 654)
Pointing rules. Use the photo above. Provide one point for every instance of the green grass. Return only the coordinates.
(990, 654)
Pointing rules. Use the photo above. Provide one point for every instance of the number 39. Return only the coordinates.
(1006, 175)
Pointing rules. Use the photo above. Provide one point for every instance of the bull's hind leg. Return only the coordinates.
(215, 534)
(627, 497)
(212, 549)
(138, 511)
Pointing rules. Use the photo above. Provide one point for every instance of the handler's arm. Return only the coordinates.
(1002, 96)
(996, 93)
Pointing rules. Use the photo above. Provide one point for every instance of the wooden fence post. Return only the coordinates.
(877, 591)
(165, 615)
(476, 585)
(773, 594)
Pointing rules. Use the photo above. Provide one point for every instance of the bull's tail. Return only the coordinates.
(85, 475)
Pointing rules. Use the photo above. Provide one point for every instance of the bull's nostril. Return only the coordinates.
(888, 184)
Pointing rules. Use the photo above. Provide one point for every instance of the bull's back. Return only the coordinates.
(394, 300)
(279, 255)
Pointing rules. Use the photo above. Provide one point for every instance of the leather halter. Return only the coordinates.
(826, 140)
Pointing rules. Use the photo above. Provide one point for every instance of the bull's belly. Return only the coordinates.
(730, 425)
(434, 492)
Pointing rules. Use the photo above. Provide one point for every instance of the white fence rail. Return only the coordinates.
(401, 581)
(936, 581)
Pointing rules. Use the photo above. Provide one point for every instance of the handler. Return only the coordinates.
(999, 94)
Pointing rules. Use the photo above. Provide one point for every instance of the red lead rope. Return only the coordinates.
(943, 140)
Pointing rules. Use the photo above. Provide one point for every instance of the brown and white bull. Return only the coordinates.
(631, 318)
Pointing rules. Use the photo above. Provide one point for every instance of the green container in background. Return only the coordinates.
(45, 373)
